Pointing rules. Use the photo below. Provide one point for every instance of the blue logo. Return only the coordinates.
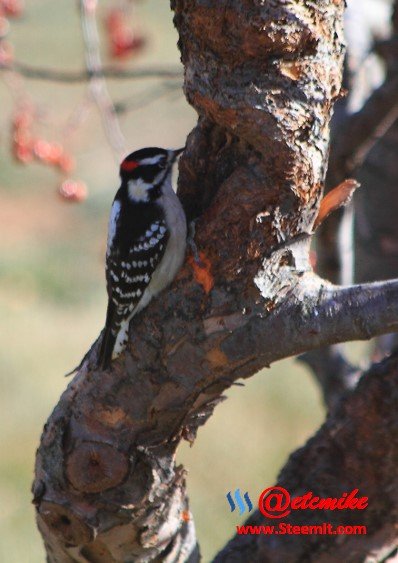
(239, 501)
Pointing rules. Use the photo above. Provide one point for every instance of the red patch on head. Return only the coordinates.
(128, 165)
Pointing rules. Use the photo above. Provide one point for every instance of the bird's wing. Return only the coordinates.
(128, 273)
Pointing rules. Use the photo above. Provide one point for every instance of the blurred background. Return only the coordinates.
(52, 288)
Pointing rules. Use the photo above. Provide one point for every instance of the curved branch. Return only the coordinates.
(106, 483)
(118, 430)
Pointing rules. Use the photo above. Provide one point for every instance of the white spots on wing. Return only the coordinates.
(138, 190)
(134, 278)
(139, 263)
(132, 294)
(153, 260)
(142, 278)
(114, 276)
(148, 234)
(146, 245)
(141, 247)
(151, 238)
(133, 264)
(152, 229)
(113, 218)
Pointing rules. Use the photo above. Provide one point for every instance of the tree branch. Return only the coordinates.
(97, 83)
(356, 448)
(76, 76)
(119, 429)
(106, 483)
(315, 314)
(356, 137)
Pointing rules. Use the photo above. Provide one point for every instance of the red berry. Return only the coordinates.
(12, 8)
(123, 40)
(126, 43)
(41, 149)
(114, 20)
(73, 190)
(55, 153)
(22, 152)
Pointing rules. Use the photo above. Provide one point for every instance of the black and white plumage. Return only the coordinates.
(146, 242)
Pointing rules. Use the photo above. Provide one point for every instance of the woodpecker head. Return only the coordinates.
(145, 171)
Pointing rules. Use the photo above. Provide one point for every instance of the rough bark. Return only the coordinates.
(107, 488)
(356, 448)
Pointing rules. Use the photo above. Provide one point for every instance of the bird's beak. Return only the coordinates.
(174, 154)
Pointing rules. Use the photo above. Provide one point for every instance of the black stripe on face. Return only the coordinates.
(147, 172)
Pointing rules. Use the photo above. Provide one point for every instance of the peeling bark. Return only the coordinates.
(263, 78)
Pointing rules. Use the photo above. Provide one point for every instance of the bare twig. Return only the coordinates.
(147, 97)
(76, 76)
(97, 82)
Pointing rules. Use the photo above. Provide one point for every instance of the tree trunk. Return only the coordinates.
(263, 77)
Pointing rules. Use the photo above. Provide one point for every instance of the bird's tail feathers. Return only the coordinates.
(106, 349)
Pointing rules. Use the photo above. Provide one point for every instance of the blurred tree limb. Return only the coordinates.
(107, 488)
(359, 243)
(76, 76)
(97, 84)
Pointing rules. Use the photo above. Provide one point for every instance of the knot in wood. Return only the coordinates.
(63, 523)
(93, 467)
